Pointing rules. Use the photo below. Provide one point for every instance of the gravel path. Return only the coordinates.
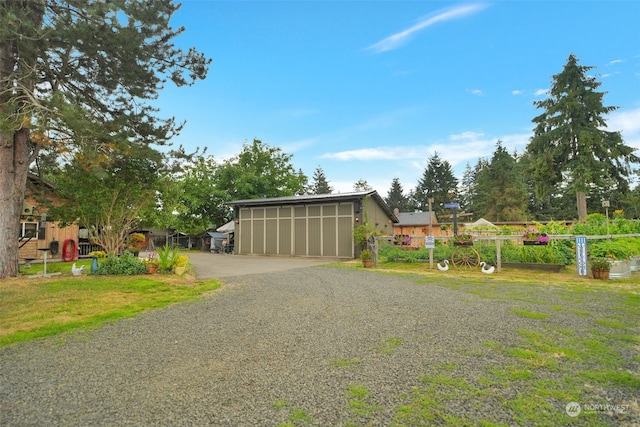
(260, 351)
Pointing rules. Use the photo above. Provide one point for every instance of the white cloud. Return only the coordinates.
(398, 39)
(477, 92)
(458, 149)
(616, 61)
(516, 92)
(628, 123)
(540, 92)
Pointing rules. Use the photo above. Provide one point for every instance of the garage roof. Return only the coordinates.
(315, 198)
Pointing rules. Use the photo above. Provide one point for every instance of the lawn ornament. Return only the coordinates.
(77, 271)
(487, 270)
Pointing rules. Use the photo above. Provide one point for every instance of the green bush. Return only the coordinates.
(621, 248)
(125, 265)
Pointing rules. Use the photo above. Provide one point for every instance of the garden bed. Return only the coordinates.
(554, 268)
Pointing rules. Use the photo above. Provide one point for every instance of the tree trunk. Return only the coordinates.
(16, 149)
(581, 199)
(15, 157)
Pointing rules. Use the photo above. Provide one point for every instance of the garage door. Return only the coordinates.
(310, 230)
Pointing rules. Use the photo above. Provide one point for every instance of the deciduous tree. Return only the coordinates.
(259, 171)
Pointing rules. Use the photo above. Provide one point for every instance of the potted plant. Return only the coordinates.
(534, 238)
(94, 260)
(463, 240)
(136, 242)
(600, 268)
(152, 265)
(367, 258)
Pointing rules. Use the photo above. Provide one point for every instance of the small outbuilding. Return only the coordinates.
(311, 225)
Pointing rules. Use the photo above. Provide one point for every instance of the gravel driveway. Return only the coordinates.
(263, 350)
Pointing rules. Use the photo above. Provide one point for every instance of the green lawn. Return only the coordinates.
(40, 307)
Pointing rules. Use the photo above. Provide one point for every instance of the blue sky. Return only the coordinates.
(371, 89)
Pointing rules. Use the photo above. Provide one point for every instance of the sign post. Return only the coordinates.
(455, 207)
(581, 255)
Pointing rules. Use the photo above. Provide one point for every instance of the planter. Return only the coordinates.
(94, 265)
(554, 268)
(152, 268)
(600, 274)
(619, 269)
(634, 263)
(465, 243)
(534, 243)
(179, 270)
(367, 263)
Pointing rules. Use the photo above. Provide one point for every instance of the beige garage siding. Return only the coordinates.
(323, 230)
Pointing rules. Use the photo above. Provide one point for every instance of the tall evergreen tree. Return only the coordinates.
(501, 190)
(320, 183)
(361, 185)
(439, 182)
(467, 189)
(396, 197)
(571, 144)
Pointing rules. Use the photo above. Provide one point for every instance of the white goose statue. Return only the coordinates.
(444, 266)
(77, 271)
(485, 270)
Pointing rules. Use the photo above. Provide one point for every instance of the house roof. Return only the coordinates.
(416, 218)
(227, 228)
(482, 223)
(215, 235)
(315, 198)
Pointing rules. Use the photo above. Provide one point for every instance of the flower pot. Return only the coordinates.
(600, 274)
(152, 268)
(179, 270)
(534, 243)
(634, 263)
(465, 243)
(619, 269)
(367, 263)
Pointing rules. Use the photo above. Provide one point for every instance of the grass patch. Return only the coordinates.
(346, 363)
(360, 402)
(37, 308)
(529, 314)
(299, 416)
(613, 324)
(390, 346)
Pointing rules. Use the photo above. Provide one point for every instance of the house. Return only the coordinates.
(37, 233)
(318, 225)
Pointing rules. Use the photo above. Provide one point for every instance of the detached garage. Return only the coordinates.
(312, 225)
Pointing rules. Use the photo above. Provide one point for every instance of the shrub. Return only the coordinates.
(615, 249)
(167, 257)
(125, 265)
(182, 261)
